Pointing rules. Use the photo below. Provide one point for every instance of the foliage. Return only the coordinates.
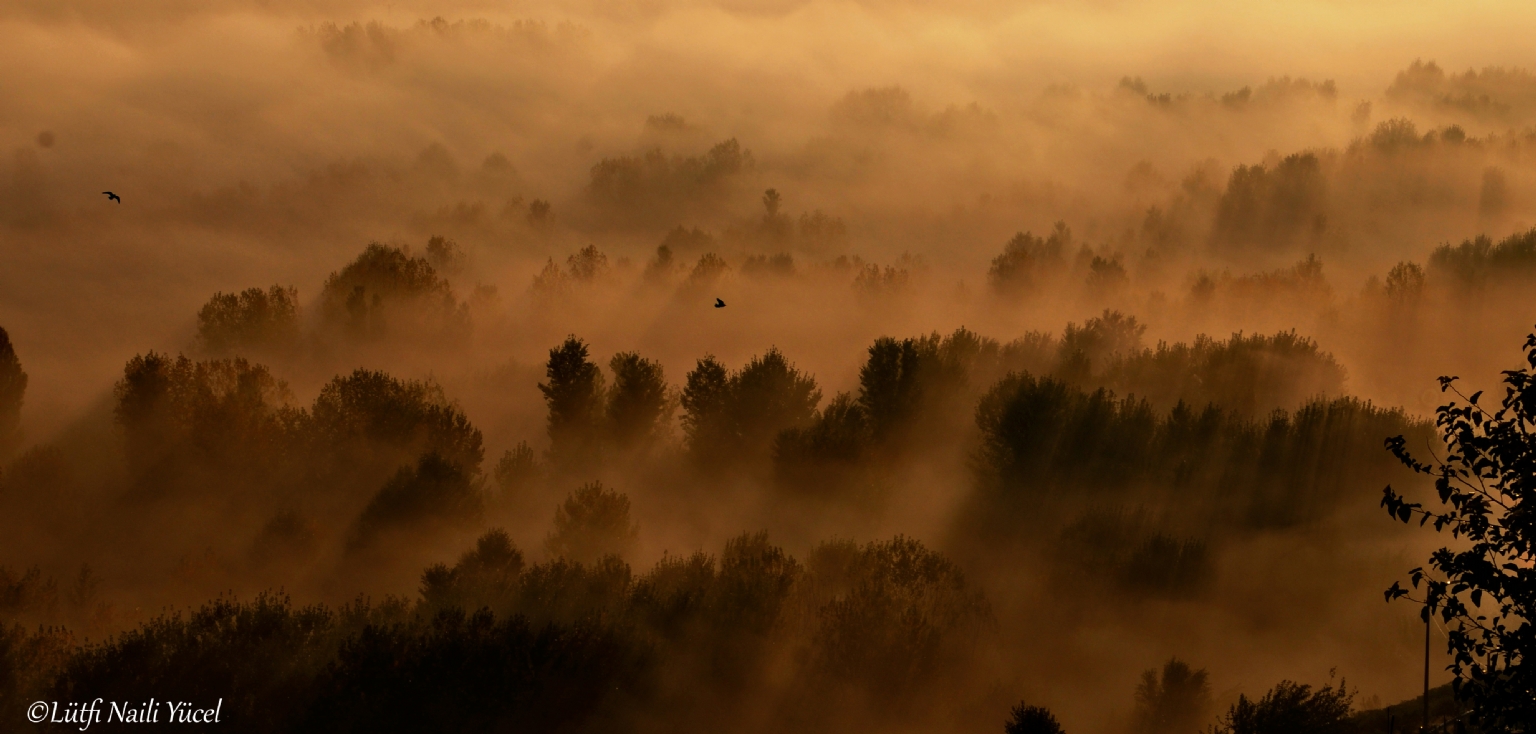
(891, 615)
(652, 189)
(730, 418)
(1247, 375)
(29, 661)
(639, 405)
(1027, 261)
(1290, 708)
(485, 577)
(436, 493)
(592, 522)
(475, 673)
(1479, 262)
(1042, 438)
(516, 469)
(266, 649)
(252, 319)
(903, 385)
(369, 419)
(494, 645)
(1129, 552)
(1405, 281)
(13, 389)
(386, 291)
(1176, 702)
(574, 394)
(588, 264)
(1483, 586)
(1099, 339)
(180, 419)
(1273, 208)
(1026, 719)
(706, 272)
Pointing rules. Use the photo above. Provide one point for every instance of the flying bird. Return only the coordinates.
(719, 303)
(113, 197)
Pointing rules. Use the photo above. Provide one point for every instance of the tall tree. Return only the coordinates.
(638, 403)
(1175, 702)
(13, 388)
(574, 394)
(734, 417)
(1485, 589)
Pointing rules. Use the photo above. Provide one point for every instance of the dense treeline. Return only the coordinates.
(887, 629)
(1042, 438)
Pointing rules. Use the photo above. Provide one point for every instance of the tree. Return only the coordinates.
(588, 264)
(13, 389)
(1290, 708)
(251, 319)
(387, 291)
(483, 577)
(638, 403)
(1175, 703)
(735, 417)
(516, 469)
(1028, 260)
(372, 422)
(224, 416)
(1485, 590)
(704, 401)
(593, 522)
(574, 394)
(436, 492)
(1031, 720)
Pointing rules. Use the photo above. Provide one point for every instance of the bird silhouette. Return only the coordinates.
(719, 303)
(113, 197)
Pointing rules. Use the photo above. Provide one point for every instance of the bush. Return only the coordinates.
(1290, 708)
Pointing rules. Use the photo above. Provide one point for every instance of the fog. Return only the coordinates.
(1071, 330)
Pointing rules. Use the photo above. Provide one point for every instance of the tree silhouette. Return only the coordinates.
(370, 423)
(13, 389)
(250, 319)
(574, 395)
(1484, 589)
(588, 264)
(1026, 719)
(182, 419)
(1290, 708)
(387, 291)
(592, 522)
(516, 469)
(436, 493)
(485, 577)
(639, 405)
(1176, 702)
(1028, 261)
(734, 418)
(704, 401)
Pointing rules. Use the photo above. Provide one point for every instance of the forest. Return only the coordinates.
(478, 372)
